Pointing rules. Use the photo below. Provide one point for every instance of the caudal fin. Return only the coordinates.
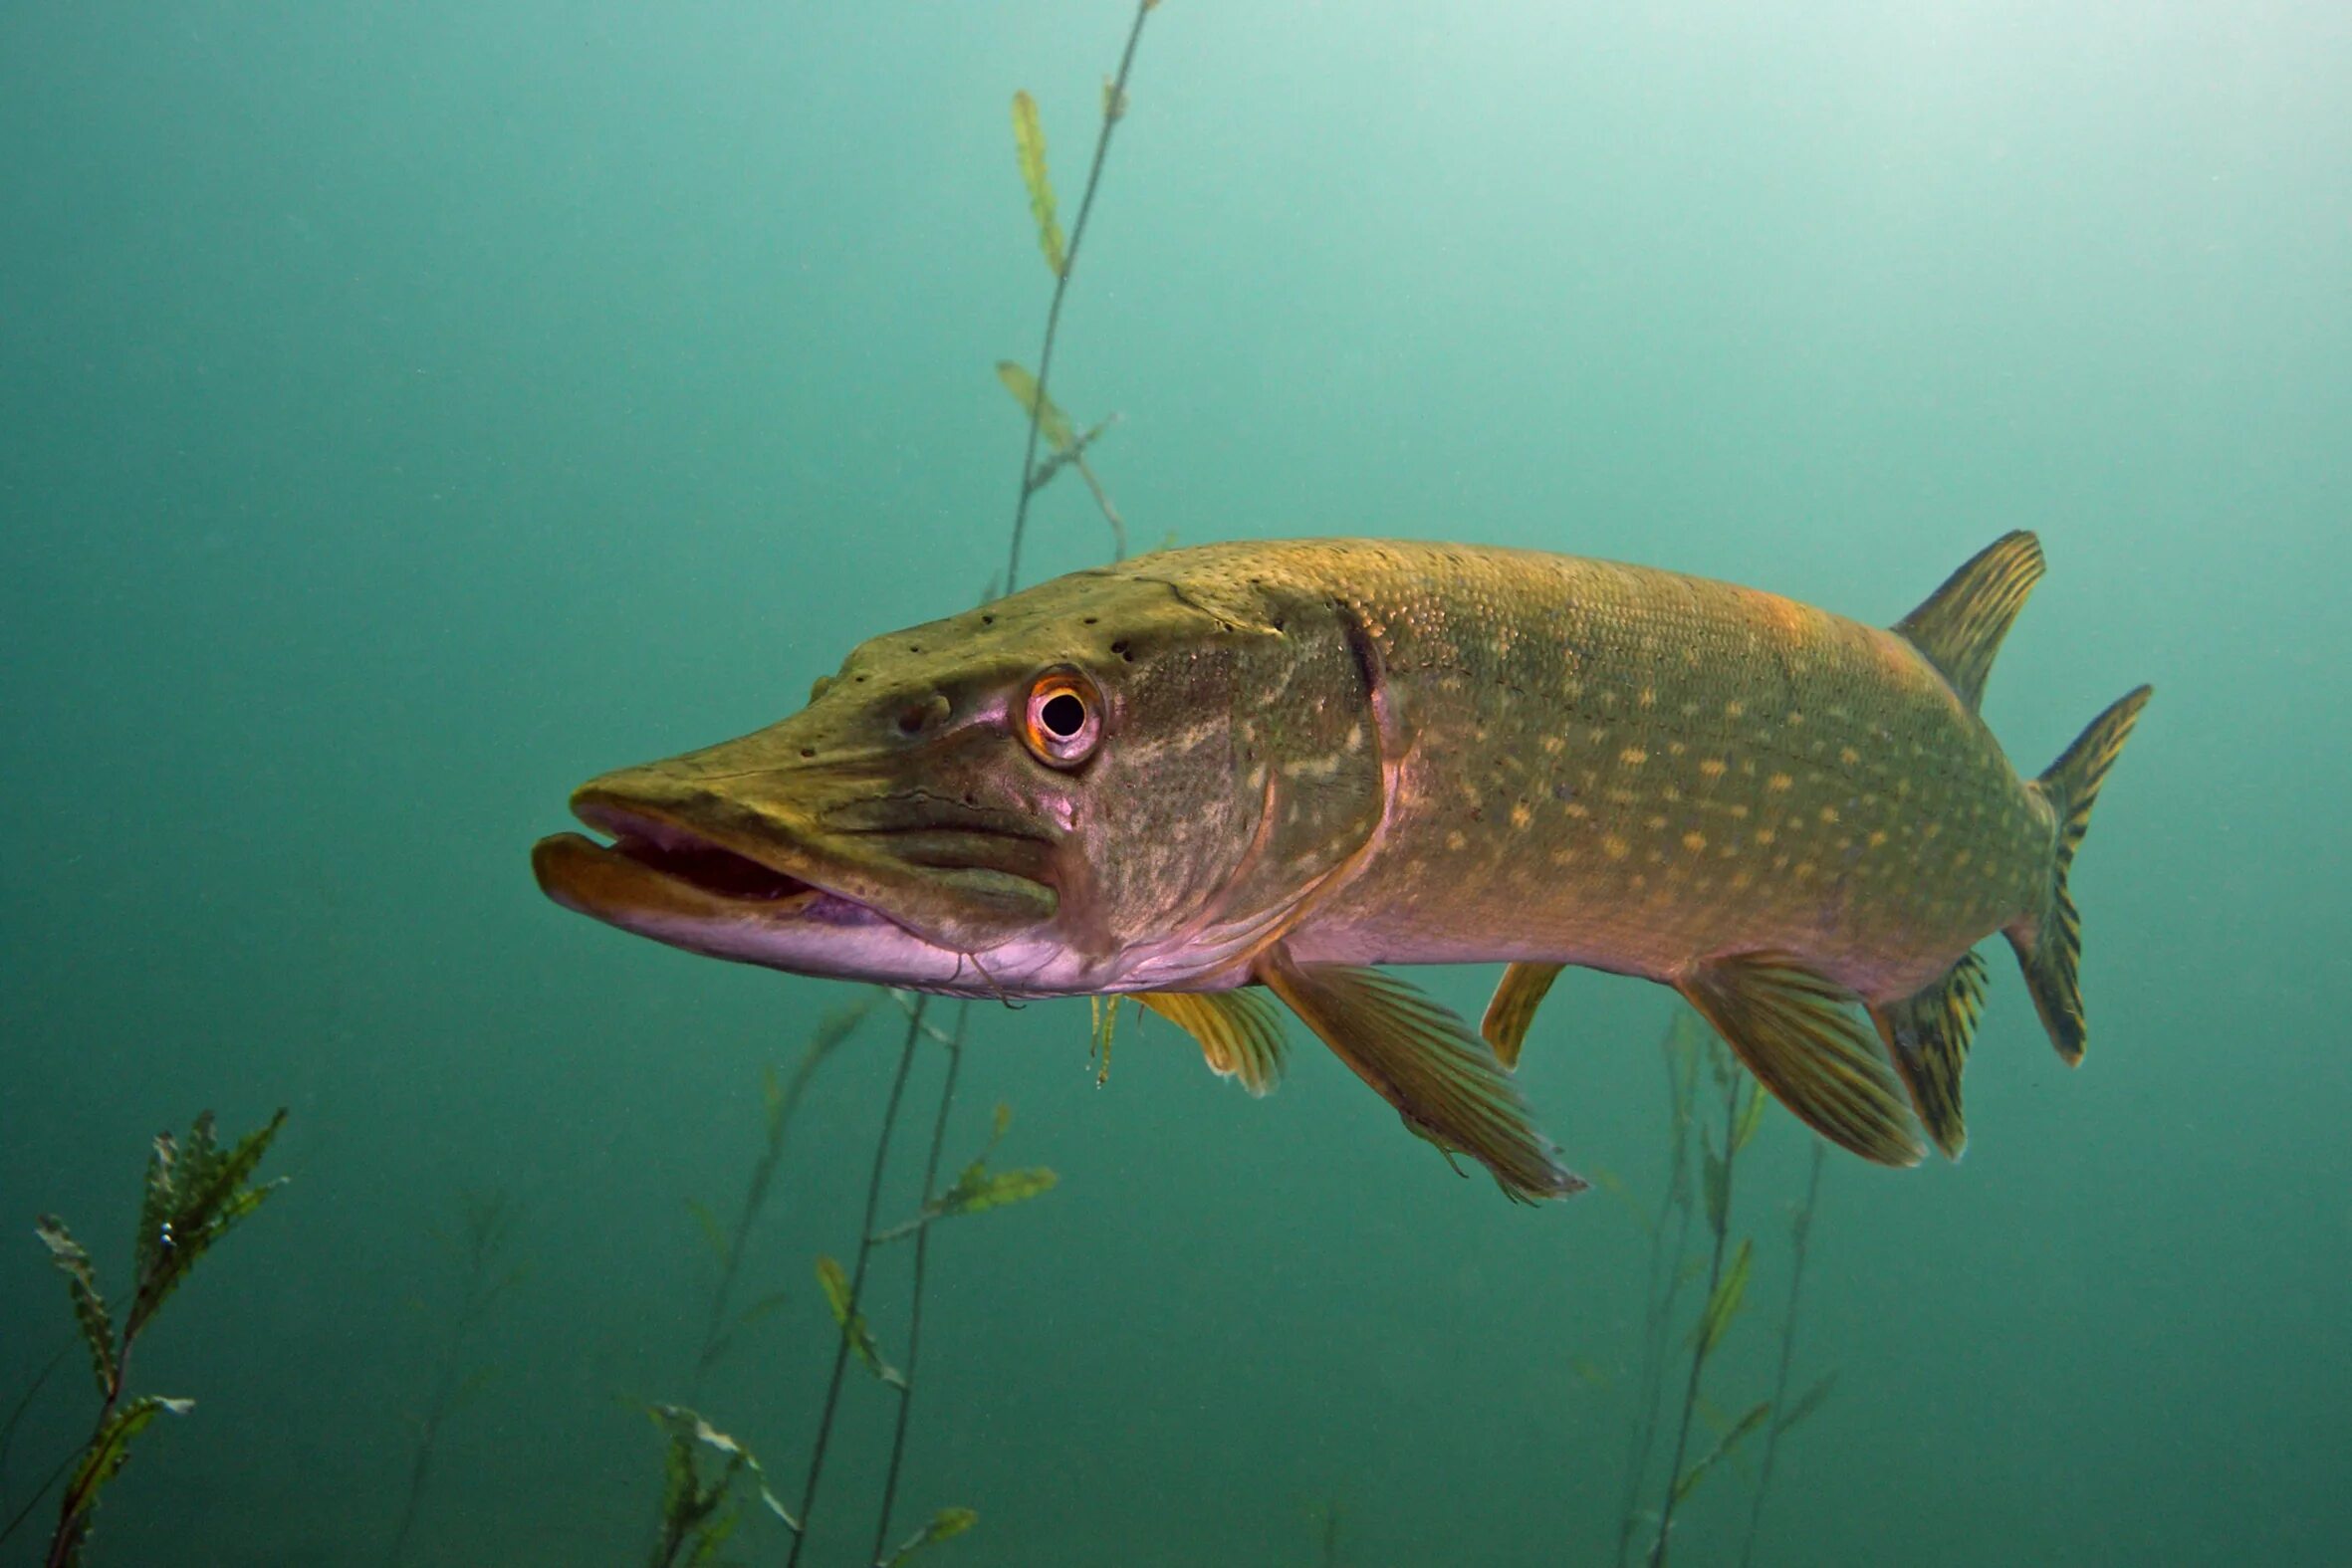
(2049, 949)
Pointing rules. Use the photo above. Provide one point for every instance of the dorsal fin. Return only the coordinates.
(1960, 626)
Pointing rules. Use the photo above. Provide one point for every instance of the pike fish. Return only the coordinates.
(1233, 778)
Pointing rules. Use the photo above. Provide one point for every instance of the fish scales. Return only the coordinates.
(1633, 768)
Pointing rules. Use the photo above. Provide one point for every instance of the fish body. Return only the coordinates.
(1284, 765)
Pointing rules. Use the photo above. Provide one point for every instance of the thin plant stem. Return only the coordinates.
(914, 1323)
(1689, 1397)
(1115, 108)
(865, 1230)
(488, 1221)
(1665, 1282)
(755, 1198)
(24, 1402)
(1803, 1238)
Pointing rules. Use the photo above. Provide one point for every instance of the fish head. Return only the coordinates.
(1051, 793)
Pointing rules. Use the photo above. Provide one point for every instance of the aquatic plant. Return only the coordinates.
(1030, 142)
(1800, 1231)
(485, 1229)
(196, 1191)
(1727, 1289)
(1680, 1048)
(1325, 1516)
(23, 1404)
(977, 1189)
(699, 1513)
(781, 1097)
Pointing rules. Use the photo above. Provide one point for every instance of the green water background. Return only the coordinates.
(407, 411)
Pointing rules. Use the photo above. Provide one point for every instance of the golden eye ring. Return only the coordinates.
(1061, 718)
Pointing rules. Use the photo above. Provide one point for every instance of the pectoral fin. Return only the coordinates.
(1927, 1036)
(1517, 997)
(1239, 1032)
(1794, 1031)
(1423, 1061)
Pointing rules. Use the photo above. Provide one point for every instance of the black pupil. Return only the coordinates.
(1063, 715)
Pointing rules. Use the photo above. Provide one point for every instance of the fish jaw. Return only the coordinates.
(731, 853)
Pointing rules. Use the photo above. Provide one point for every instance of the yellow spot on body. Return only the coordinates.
(1711, 768)
(1521, 817)
(1655, 823)
(1801, 870)
(1829, 814)
(1649, 697)
(1614, 847)
(1734, 710)
(1579, 810)
(1780, 782)
(1877, 839)
(1455, 841)
(1553, 745)
(1740, 881)
(1849, 756)
(1633, 756)
(1764, 835)
(1694, 841)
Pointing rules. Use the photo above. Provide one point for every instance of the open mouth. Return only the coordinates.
(686, 863)
(699, 863)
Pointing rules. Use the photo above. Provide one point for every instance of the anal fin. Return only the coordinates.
(1927, 1036)
(1794, 1031)
(1425, 1062)
(1517, 997)
(1239, 1032)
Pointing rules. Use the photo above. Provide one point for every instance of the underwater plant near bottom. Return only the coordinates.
(1727, 1292)
(699, 1515)
(781, 1097)
(196, 1191)
(488, 1220)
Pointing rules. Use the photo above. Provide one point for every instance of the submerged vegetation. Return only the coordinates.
(1045, 419)
(485, 1232)
(1700, 1191)
(781, 1096)
(196, 1191)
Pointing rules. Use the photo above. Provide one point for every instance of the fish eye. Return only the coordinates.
(1062, 721)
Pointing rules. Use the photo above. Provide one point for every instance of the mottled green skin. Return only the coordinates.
(1624, 768)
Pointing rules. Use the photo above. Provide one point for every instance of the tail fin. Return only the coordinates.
(2049, 950)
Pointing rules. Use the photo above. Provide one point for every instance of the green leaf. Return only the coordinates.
(708, 1223)
(697, 1517)
(1729, 1291)
(772, 1097)
(1806, 1403)
(979, 1190)
(1053, 423)
(102, 1462)
(1691, 1478)
(196, 1194)
(1029, 139)
(946, 1525)
(1750, 1116)
(1718, 1185)
(156, 1203)
(89, 1307)
(852, 1323)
